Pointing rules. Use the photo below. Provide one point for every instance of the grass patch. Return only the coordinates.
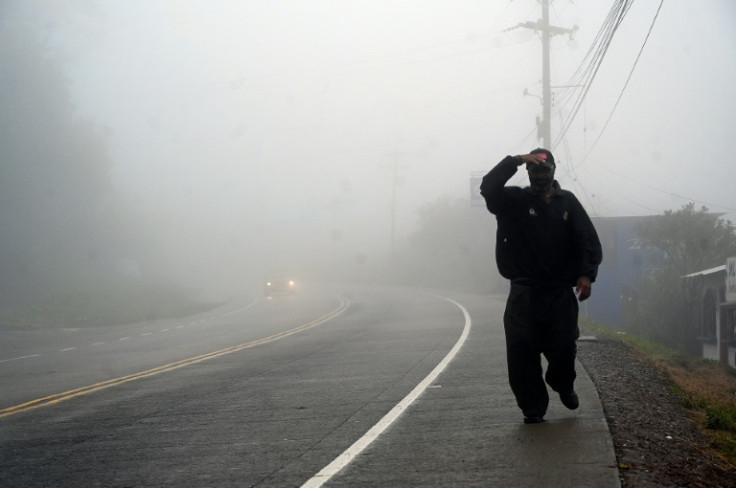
(724, 444)
(721, 417)
(103, 303)
(707, 387)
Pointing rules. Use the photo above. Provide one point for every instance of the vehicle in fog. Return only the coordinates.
(278, 286)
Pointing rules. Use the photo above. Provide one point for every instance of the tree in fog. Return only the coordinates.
(55, 191)
(452, 247)
(666, 305)
(692, 240)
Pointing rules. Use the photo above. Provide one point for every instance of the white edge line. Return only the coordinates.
(22, 357)
(240, 309)
(358, 446)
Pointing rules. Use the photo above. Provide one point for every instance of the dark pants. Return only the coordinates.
(540, 320)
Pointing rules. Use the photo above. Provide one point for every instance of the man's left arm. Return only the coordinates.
(588, 247)
(583, 288)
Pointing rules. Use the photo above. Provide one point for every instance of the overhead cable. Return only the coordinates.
(628, 79)
(585, 75)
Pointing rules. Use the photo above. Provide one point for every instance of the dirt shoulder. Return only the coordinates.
(657, 439)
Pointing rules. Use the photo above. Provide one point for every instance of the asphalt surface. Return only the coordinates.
(466, 430)
(417, 382)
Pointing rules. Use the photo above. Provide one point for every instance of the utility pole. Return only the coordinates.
(546, 87)
(395, 167)
(544, 126)
(394, 181)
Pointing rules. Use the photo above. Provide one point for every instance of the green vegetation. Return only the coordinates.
(451, 247)
(706, 387)
(666, 314)
(66, 228)
(107, 303)
(665, 306)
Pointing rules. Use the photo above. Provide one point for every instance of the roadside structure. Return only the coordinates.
(716, 328)
(625, 262)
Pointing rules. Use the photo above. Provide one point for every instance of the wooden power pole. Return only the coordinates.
(544, 129)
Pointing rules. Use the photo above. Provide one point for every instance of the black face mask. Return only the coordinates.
(540, 180)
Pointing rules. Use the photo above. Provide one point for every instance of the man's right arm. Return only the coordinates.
(494, 181)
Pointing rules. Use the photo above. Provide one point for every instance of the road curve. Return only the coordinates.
(275, 406)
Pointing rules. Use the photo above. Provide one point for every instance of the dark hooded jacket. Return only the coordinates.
(539, 241)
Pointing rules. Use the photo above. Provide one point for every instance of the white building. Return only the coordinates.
(716, 329)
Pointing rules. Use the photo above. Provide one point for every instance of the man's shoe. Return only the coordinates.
(570, 400)
(533, 420)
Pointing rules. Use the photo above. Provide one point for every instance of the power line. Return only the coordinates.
(585, 75)
(621, 195)
(574, 180)
(590, 69)
(628, 79)
(666, 192)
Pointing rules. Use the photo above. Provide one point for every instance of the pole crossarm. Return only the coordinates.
(544, 129)
(550, 29)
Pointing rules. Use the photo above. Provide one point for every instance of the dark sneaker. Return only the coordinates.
(533, 420)
(570, 400)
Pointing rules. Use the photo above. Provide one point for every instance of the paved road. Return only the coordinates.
(342, 386)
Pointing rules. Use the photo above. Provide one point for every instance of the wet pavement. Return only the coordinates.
(466, 430)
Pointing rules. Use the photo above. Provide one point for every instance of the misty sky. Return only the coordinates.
(302, 108)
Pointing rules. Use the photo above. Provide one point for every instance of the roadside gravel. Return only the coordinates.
(658, 442)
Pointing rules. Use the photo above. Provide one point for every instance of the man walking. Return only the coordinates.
(545, 245)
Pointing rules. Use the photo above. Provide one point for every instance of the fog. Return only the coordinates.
(244, 138)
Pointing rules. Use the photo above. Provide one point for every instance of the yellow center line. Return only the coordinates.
(84, 390)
